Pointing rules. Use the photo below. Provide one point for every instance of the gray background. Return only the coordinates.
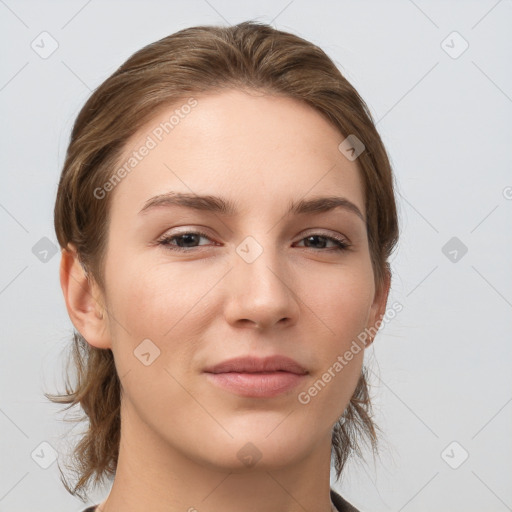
(440, 368)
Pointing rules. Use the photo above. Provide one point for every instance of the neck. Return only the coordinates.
(154, 475)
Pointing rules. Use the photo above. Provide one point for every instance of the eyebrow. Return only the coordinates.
(219, 205)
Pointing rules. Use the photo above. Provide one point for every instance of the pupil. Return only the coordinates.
(185, 237)
(315, 237)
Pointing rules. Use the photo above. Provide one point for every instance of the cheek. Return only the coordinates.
(153, 336)
(161, 303)
(152, 299)
(343, 303)
(344, 309)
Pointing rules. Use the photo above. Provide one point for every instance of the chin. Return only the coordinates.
(254, 449)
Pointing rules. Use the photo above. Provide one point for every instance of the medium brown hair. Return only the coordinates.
(252, 56)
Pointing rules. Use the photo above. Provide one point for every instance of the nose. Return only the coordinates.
(262, 293)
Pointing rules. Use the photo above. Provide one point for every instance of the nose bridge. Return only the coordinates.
(260, 290)
(258, 263)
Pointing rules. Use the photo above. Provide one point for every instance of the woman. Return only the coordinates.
(226, 213)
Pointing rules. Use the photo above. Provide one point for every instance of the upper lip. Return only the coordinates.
(251, 364)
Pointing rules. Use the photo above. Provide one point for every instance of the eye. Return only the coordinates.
(186, 241)
(340, 243)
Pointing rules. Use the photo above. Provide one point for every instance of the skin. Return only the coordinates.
(181, 434)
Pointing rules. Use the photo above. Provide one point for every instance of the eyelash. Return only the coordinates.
(342, 245)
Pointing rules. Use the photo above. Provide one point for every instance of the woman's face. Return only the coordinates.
(258, 281)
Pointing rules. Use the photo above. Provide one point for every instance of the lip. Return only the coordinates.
(257, 377)
(251, 364)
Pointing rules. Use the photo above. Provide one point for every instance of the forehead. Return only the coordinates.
(257, 149)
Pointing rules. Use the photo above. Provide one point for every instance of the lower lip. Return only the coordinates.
(256, 385)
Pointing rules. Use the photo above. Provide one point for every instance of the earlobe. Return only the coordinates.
(83, 299)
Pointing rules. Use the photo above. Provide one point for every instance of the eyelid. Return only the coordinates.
(191, 231)
(320, 232)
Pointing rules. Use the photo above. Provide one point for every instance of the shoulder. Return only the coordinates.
(342, 504)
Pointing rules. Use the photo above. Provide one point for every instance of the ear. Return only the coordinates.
(84, 300)
(378, 307)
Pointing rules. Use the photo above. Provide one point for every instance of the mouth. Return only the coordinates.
(256, 377)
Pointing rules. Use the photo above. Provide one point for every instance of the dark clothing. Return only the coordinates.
(341, 504)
